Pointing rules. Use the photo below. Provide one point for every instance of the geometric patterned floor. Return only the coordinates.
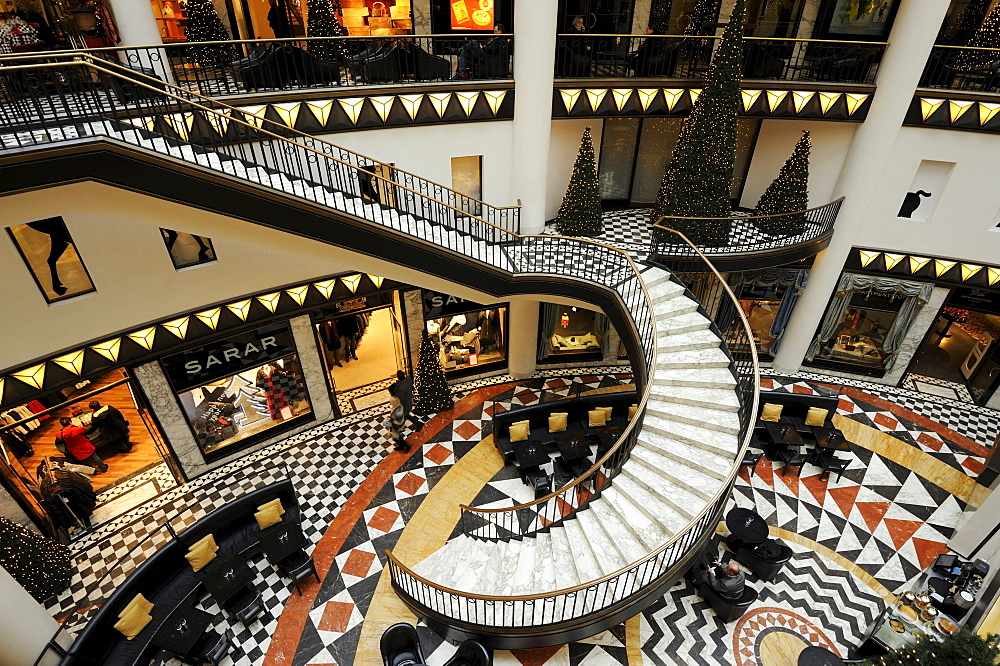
(886, 518)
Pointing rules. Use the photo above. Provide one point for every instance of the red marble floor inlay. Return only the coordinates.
(383, 519)
(930, 441)
(845, 405)
(565, 508)
(438, 454)
(494, 409)
(973, 465)
(555, 383)
(467, 430)
(358, 563)
(766, 383)
(900, 531)
(410, 483)
(885, 421)
(816, 487)
(845, 498)
(799, 388)
(536, 657)
(790, 478)
(872, 512)
(336, 616)
(927, 551)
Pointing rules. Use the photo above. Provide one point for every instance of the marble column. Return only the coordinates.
(913, 33)
(534, 61)
(137, 26)
(926, 317)
(522, 339)
(413, 301)
(421, 12)
(313, 369)
(171, 417)
(25, 625)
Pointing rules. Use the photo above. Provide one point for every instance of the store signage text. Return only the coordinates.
(350, 306)
(228, 354)
(441, 305)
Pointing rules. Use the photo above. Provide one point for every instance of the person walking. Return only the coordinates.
(402, 389)
(78, 446)
(396, 420)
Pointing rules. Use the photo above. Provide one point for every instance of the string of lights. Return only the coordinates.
(42, 566)
(787, 193)
(580, 212)
(322, 21)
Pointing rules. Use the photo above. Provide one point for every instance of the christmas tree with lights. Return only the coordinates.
(700, 172)
(431, 392)
(964, 648)
(322, 21)
(702, 15)
(787, 194)
(986, 36)
(580, 212)
(42, 566)
(204, 25)
(966, 26)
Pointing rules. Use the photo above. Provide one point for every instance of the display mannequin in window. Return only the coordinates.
(112, 424)
(273, 380)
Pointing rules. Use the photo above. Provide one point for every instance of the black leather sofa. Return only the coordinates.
(795, 407)
(269, 67)
(728, 610)
(397, 61)
(577, 421)
(167, 580)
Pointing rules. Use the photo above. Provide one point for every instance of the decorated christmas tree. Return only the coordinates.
(987, 36)
(964, 648)
(322, 22)
(788, 193)
(41, 565)
(700, 172)
(204, 25)
(580, 212)
(431, 392)
(702, 15)
(966, 26)
(659, 17)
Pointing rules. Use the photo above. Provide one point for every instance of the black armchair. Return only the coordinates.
(247, 605)
(469, 653)
(850, 68)
(539, 481)
(750, 459)
(764, 568)
(792, 458)
(266, 68)
(400, 646)
(298, 567)
(762, 61)
(495, 63)
(833, 464)
(212, 648)
(728, 609)
(570, 63)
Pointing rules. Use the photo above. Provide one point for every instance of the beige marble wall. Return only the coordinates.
(421, 10)
(911, 343)
(312, 368)
(414, 304)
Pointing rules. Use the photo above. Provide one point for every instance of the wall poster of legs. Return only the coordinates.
(51, 256)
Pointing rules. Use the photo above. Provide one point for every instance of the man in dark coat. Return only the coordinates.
(727, 581)
(403, 390)
(112, 424)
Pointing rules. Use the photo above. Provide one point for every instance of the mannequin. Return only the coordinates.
(272, 379)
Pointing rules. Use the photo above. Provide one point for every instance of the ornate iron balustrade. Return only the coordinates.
(686, 57)
(968, 68)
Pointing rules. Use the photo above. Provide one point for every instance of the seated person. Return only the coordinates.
(728, 582)
(474, 50)
(641, 59)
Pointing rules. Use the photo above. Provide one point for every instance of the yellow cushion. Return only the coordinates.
(632, 409)
(138, 601)
(607, 413)
(208, 540)
(519, 431)
(267, 517)
(597, 418)
(771, 412)
(816, 416)
(133, 622)
(200, 555)
(557, 421)
(275, 502)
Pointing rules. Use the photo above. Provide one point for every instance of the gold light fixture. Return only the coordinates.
(775, 98)
(72, 361)
(254, 114)
(178, 327)
(694, 94)
(109, 349)
(621, 96)
(942, 266)
(321, 110)
(219, 122)
(383, 105)
(595, 96)
(992, 275)
(987, 111)
(892, 259)
(352, 107)
(288, 112)
(957, 108)
(854, 102)
(800, 99)
(827, 100)
(411, 104)
(495, 98)
(210, 317)
(467, 100)
(376, 280)
(298, 294)
(241, 309)
(917, 263)
(144, 338)
(270, 301)
(33, 376)
(867, 257)
(646, 96)
(673, 95)
(569, 98)
(352, 282)
(440, 102)
(928, 106)
(325, 287)
(749, 98)
(968, 270)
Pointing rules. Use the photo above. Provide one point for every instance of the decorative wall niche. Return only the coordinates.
(925, 191)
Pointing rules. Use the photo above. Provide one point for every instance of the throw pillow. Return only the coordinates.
(207, 539)
(519, 431)
(275, 502)
(133, 623)
(816, 416)
(557, 421)
(771, 412)
(596, 418)
(138, 601)
(632, 409)
(267, 517)
(199, 555)
(607, 413)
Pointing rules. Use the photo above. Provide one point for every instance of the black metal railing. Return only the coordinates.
(246, 66)
(749, 234)
(524, 613)
(686, 57)
(962, 68)
(55, 101)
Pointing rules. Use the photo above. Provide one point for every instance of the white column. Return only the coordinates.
(138, 27)
(534, 62)
(25, 626)
(911, 40)
(522, 339)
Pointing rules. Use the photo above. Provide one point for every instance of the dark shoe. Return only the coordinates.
(338, 364)
(354, 356)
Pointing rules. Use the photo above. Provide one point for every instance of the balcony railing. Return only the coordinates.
(685, 57)
(248, 66)
(962, 68)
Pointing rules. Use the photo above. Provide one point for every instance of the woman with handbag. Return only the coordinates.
(78, 446)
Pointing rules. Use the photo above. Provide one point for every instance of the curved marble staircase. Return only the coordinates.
(682, 459)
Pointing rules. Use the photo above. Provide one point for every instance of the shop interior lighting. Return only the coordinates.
(33, 376)
(72, 361)
(110, 349)
(241, 309)
(178, 327)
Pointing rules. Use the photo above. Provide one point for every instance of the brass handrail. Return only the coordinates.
(768, 39)
(724, 488)
(966, 48)
(85, 55)
(741, 217)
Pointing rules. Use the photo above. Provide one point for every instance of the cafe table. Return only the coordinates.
(606, 438)
(783, 434)
(224, 578)
(747, 526)
(572, 445)
(180, 632)
(829, 440)
(530, 454)
(815, 655)
(282, 540)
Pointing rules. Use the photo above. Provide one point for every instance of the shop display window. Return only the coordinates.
(51, 256)
(470, 339)
(571, 331)
(187, 249)
(860, 335)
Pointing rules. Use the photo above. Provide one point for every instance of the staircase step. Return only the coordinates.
(668, 307)
(664, 288)
(684, 453)
(583, 557)
(693, 358)
(681, 500)
(722, 399)
(499, 568)
(545, 571)
(682, 323)
(627, 542)
(688, 477)
(655, 511)
(707, 417)
(562, 555)
(719, 443)
(703, 338)
(698, 378)
(601, 543)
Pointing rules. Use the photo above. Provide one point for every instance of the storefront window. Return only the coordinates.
(469, 335)
(860, 336)
(236, 389)
(570, 331)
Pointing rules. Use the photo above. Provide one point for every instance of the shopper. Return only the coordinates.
(402, 389)
(78, 446)
(396, 420)
(112, 425)
(475, 50)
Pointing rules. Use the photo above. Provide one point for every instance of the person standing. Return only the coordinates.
(402, 390)
(396, 420)
(78, 446)
(112, 424)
